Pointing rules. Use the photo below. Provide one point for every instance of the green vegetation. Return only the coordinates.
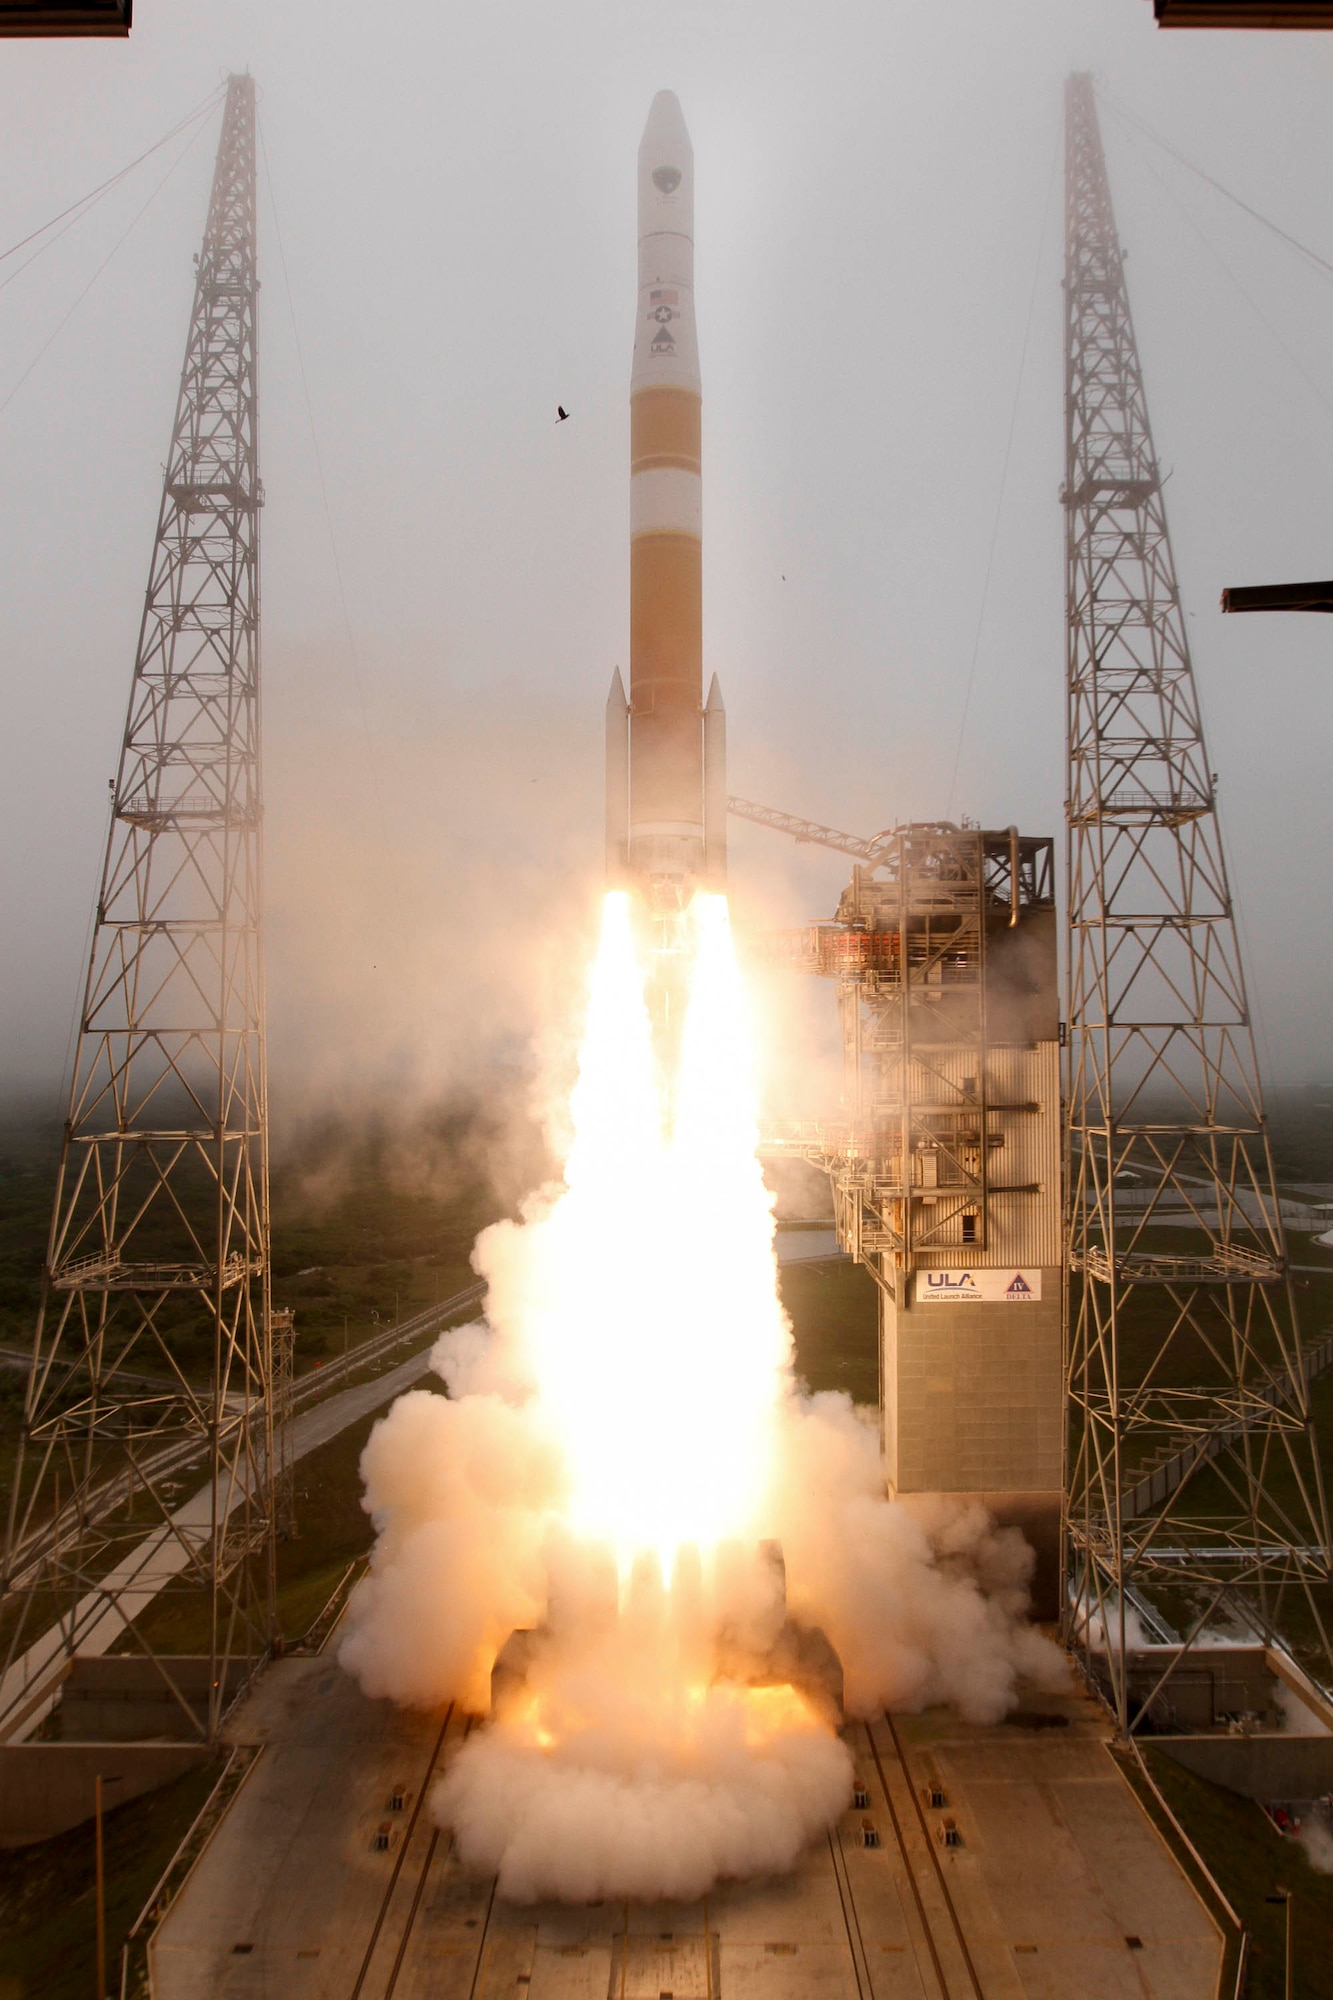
(835, 1325)
(370, 1223)
(332, 1532)
(29, 1154)
(378, 1224)
(48, 1910)
(1300, 1122)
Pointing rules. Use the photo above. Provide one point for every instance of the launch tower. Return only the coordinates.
(151, 1369)
(1193, 1484)
(946, 1171)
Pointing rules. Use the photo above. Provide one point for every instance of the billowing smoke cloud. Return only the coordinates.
(620, 1458)
(643, 1791)
(924, 1601)
(620, 1766)
(1316, 1837)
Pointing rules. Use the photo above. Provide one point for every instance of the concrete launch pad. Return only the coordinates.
(327, 1881)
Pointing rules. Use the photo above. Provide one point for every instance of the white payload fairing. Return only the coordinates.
(666, 787)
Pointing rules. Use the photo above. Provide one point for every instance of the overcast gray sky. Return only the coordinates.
(879, 235)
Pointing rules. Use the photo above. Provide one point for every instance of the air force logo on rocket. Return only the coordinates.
(1013, 1288)
(663, 307)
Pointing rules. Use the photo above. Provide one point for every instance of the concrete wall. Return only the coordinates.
(1268, 1768)
(46, 1788)
(1217, 1684)
(1214, 1684)
(122, 1696)
(973, 1396)
(973, 1406)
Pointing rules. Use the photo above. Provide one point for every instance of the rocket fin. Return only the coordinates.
(617, 780)
(715, 788)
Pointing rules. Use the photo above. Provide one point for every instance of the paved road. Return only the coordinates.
(101, 1616)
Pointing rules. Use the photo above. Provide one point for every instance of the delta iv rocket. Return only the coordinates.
(666, 781)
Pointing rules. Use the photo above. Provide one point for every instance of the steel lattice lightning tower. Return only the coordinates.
(1192, 1473)
(152, 1357)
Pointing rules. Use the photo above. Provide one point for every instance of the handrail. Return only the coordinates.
(1242, 1936)
(242, 1755)
(309, 1387)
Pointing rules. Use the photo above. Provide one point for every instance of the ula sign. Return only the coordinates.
(1006, 1287)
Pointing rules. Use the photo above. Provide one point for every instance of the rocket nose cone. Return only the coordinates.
(665, 153)
(665, 115)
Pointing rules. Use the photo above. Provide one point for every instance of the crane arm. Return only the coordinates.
(806, 831)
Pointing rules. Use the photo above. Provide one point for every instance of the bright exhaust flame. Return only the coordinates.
(621, 1456)
(657, 1343)
(658, 1355)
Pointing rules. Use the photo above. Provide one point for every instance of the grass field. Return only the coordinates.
(834, 1316)
(1250, 1860)
(48, 1921)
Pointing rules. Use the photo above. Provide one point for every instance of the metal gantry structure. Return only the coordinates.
(147, 1455)
(944, 1164)
(1193, 1489)
(911, 1164)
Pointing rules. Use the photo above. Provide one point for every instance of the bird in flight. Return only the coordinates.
(561, 413)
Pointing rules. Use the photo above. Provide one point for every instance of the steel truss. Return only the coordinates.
(151, 1370)
(911, 1167)
(1193, 1483)
(807, 832)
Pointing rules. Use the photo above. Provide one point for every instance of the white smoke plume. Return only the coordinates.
(1316, 1836)
(621, 1441)
(924, 1604)
(924, 1601)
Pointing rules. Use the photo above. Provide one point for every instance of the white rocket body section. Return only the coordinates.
(666, 342)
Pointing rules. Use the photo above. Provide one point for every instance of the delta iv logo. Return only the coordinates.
(979, 1287)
